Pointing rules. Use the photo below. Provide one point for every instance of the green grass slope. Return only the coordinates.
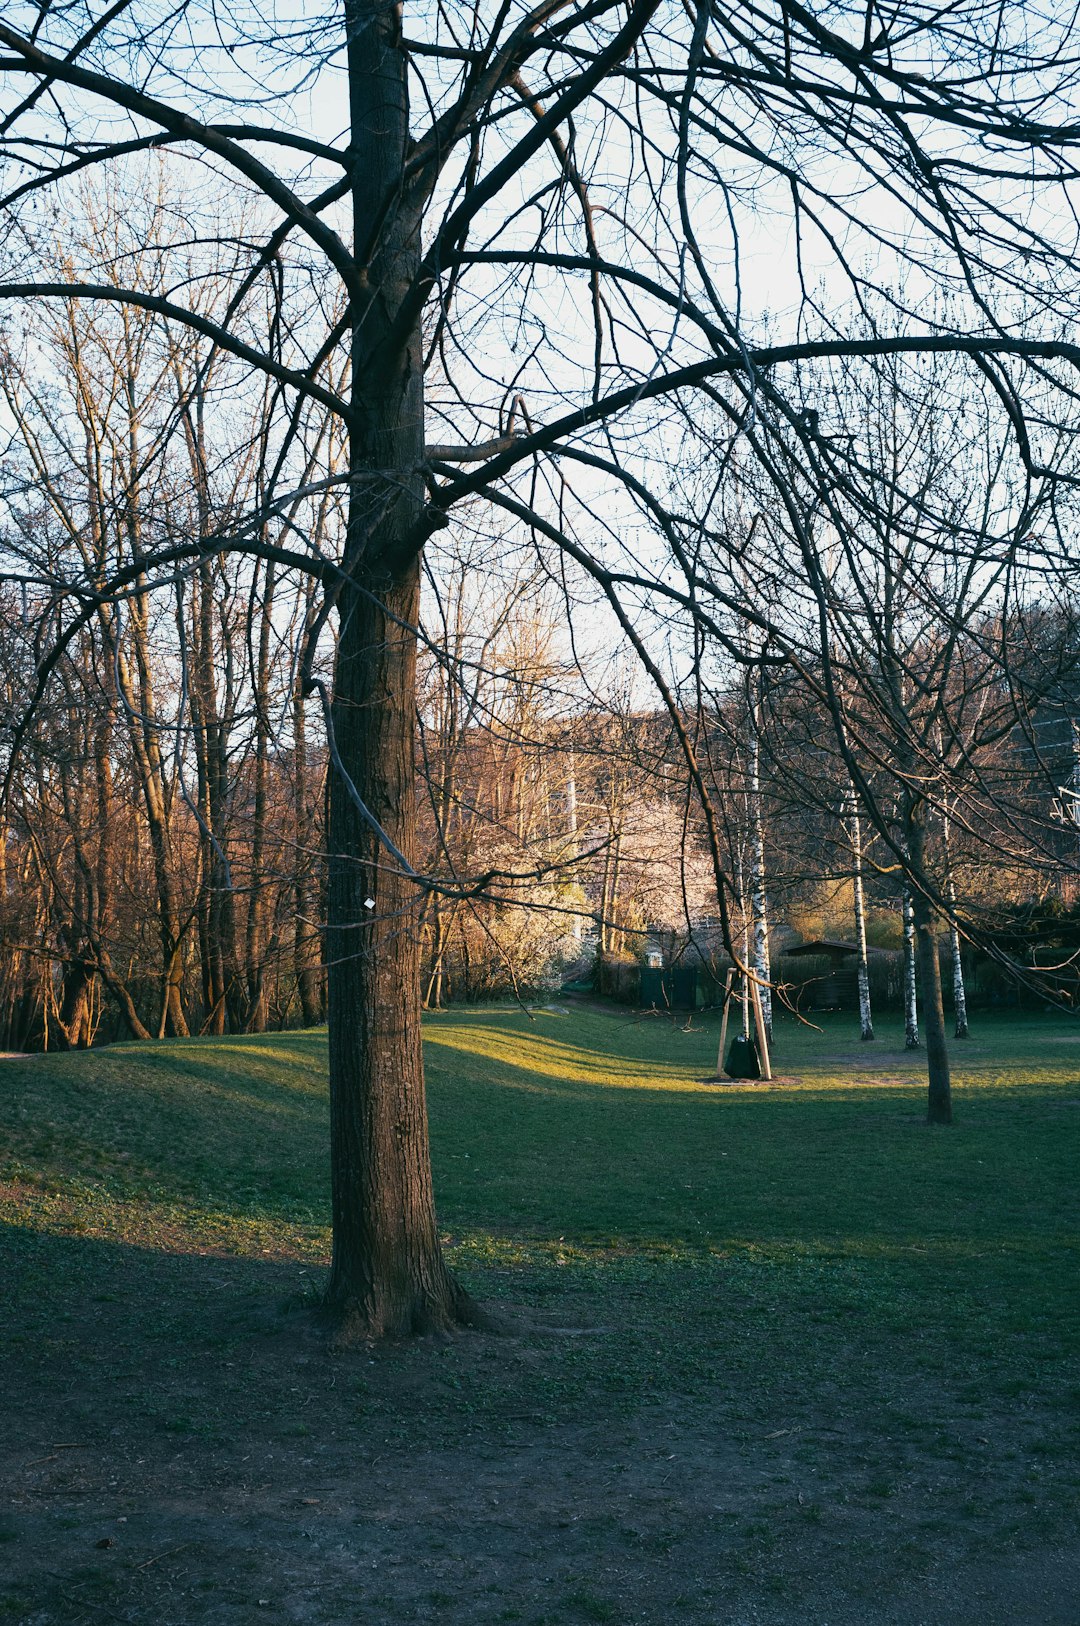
(807, 1257)
(590, 1138)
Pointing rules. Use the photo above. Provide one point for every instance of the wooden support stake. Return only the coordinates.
(723, 1024)
(759, 1027)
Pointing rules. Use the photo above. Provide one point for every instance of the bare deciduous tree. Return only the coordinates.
(554, 210)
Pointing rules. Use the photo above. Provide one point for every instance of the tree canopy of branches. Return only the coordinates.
(624, 271)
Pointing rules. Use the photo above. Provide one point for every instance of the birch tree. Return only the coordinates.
(959, 992)
(759, 908)
(854, 832)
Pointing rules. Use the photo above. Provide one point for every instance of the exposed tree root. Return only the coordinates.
(358, 1323)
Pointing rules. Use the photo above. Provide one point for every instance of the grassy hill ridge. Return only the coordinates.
(759, 1334)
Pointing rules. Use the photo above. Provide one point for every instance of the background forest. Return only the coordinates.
(167, 751)
(593, 484)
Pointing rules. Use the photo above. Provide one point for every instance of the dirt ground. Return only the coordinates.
(180, 1448)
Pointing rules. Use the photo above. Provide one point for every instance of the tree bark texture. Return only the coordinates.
(388, 1277)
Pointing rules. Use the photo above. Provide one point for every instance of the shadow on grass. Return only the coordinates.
(179, 1447)
(101, 1338)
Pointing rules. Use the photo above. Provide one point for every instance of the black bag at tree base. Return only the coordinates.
(742, 1058)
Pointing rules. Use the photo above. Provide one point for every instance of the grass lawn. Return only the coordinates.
(780, 1349)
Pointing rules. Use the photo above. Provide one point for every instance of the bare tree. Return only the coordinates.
(496, 160)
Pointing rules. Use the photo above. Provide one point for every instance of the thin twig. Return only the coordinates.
(145, 1565)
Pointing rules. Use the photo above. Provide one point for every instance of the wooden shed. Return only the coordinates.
(834, 986)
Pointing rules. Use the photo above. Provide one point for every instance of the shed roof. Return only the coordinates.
(825, 945)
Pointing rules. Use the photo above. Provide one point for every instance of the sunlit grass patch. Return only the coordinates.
(541, 1049)
(80, 1209)
(837, 1160)
(583, 1153)
(238, 1126)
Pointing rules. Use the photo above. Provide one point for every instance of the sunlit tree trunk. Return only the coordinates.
(306, 942)
(759, 927)
(911, 1001)
(572, 829)
(854, 823)
(959, 991)
(260, 902)
(388, 1275)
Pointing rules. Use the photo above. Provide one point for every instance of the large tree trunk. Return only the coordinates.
(939, 1100)
(388, 1276)
(74, 1013)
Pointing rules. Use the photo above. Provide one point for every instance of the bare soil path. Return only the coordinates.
(180, 1448)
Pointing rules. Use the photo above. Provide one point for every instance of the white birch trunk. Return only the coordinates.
(866, 1020)
(744, 992)
(959, 991)
(571, 830)
(746, 979)
(758, 899)
(911, 1008)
